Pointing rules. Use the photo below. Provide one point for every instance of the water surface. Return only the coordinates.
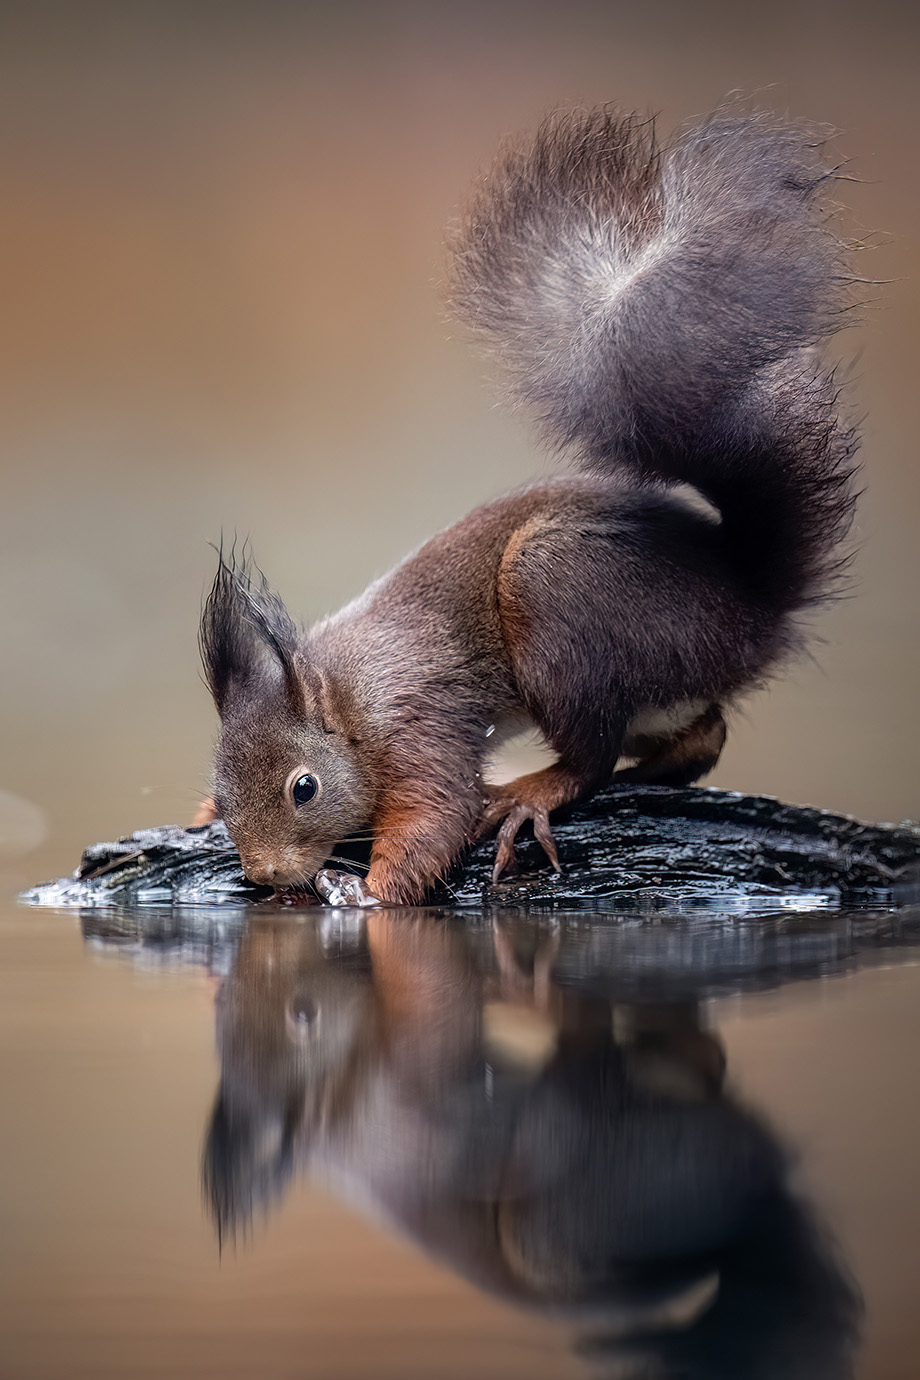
(272, 1145)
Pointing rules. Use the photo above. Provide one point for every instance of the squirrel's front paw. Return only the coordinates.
(343, 889)
(504, 858)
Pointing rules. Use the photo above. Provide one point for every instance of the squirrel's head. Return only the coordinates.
(296, 1033)
(289, 779)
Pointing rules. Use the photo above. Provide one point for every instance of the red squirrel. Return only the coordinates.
(660, 308)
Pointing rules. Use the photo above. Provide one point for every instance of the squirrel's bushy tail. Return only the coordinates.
(660, 309)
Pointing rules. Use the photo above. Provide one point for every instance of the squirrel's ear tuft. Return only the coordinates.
(244, 628)
(246, 1164)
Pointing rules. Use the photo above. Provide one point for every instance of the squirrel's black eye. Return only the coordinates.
(301, 1018)
(304, 789)
(303, 1011)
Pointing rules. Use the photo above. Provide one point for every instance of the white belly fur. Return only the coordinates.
(664, 723)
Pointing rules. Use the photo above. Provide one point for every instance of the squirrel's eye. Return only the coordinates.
(304, 789)
(301, 1018)
(303, 1011)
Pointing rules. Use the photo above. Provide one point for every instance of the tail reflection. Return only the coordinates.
(562, 1149)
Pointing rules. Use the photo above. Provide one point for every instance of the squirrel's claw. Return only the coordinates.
(343, 889)
(504, 858)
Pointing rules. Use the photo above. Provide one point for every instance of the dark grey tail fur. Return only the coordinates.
(660, 309)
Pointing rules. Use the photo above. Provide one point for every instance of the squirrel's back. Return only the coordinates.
(660, 309)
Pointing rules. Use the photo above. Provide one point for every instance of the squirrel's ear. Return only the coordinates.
(244, 628)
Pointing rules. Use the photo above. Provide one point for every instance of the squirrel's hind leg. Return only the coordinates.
(681, 759)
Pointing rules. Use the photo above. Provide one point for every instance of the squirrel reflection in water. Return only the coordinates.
(569, 1152)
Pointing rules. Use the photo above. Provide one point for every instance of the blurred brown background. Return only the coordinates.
(222, 237)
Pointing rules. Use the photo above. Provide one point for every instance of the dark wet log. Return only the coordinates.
(638, 848)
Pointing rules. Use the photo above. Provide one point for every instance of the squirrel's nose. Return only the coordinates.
(264, 874)
(279, 868)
